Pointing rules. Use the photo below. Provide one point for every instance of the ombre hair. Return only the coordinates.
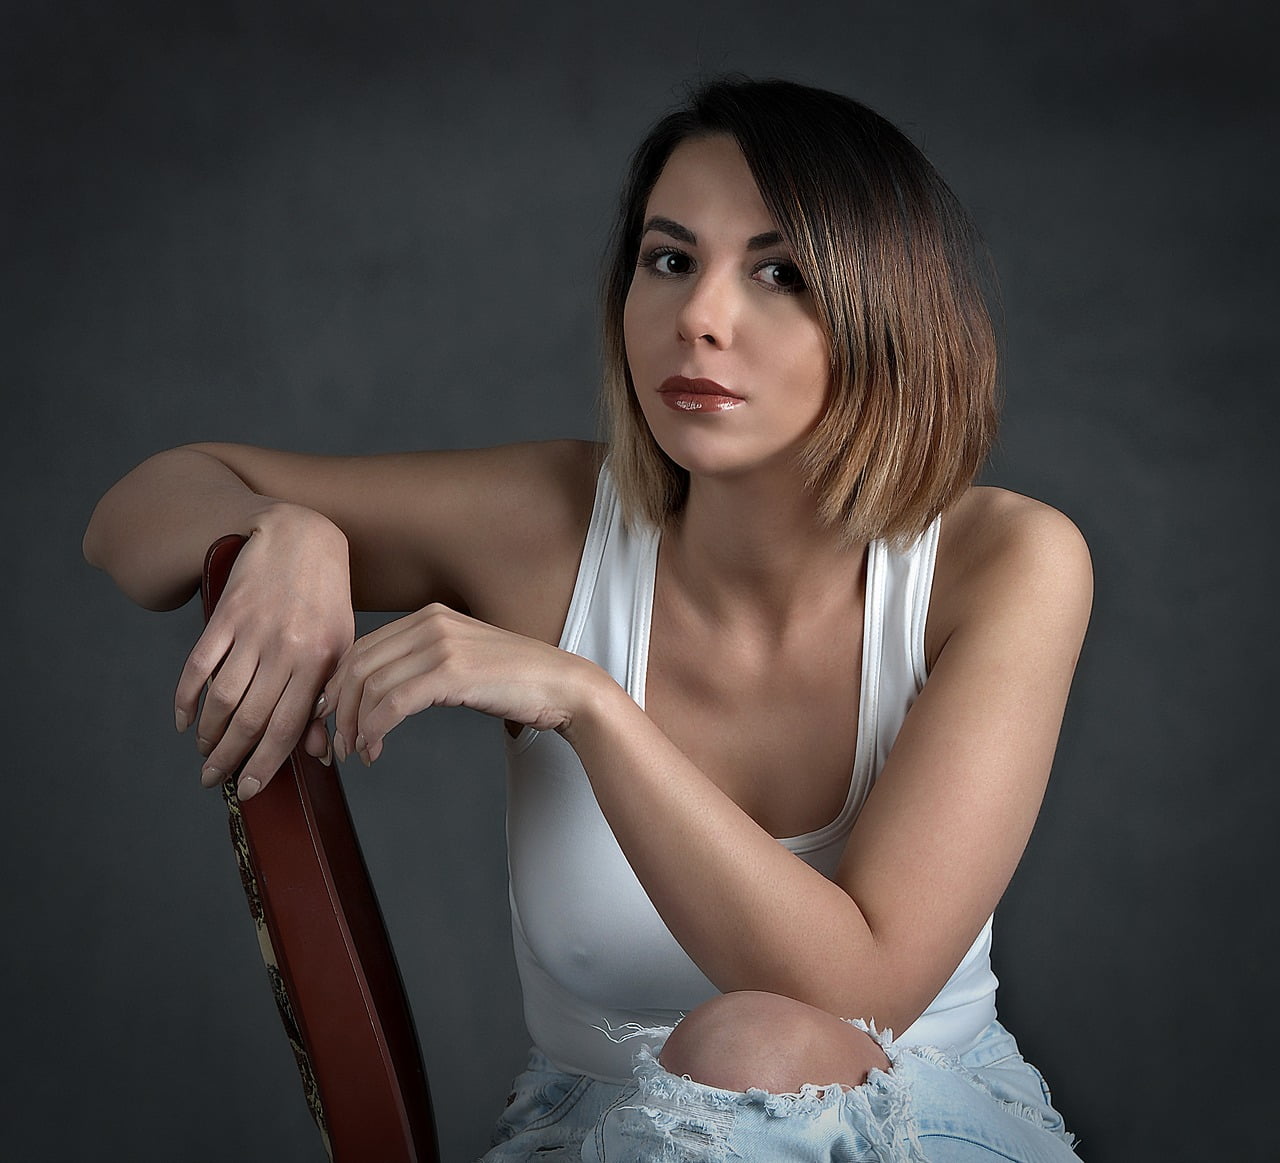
(897, 274)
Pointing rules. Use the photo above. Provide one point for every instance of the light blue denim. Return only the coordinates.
(986, 1104)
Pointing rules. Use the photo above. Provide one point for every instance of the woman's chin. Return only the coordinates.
(724, 460)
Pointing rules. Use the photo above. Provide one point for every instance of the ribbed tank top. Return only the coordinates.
(595, 959)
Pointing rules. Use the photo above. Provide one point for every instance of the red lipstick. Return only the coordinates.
(698, 395)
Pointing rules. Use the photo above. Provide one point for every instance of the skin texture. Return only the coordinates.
(754, 653)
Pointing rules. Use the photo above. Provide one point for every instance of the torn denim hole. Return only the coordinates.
(675, 1118)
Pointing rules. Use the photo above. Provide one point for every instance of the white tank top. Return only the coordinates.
(595, 959)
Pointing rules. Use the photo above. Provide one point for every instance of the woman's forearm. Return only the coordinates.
(150, 531)
(750, 913)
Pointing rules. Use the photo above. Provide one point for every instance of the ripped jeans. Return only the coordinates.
(987, 1104)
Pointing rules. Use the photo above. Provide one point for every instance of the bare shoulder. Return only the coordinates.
(1002, 554)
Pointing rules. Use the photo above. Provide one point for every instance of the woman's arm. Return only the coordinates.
(941, 832)
(936, 842)
(421, 526)
(396, 531)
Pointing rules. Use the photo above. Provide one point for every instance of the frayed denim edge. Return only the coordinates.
(694, 1121)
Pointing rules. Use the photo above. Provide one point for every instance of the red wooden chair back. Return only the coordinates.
(328, 955)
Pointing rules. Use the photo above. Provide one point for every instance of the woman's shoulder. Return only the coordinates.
(1001, 553)
(988, 522)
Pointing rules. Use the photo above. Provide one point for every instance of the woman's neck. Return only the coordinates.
(755, 549)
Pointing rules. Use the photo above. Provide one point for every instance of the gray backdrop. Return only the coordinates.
(318, 227)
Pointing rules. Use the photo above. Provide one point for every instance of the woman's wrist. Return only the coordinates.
(598, 704)
(288, 524)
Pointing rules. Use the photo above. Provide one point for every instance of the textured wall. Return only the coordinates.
(320, 227)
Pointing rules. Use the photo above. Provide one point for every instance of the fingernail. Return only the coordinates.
(321, 708)
(203, 745)
(181, 719)
(340, 746)
(327, 757)
(362, 749)
(211, 777)
(247, 788)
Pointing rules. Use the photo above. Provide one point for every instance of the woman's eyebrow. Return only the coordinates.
(683, 234)
(669, 227)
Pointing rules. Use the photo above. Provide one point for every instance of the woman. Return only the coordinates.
(693, 642)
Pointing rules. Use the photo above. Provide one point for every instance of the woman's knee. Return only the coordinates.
(740, 1041)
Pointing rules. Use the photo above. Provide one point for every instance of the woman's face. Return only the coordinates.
(729, 361)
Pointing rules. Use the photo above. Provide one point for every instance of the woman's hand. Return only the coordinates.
(440, 658)
(282, 623)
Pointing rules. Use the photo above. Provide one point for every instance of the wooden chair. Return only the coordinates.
(330, 961)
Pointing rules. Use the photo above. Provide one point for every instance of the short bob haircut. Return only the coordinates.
(897, 272)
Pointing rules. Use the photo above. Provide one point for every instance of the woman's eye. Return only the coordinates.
(781, 276)
(668, 262)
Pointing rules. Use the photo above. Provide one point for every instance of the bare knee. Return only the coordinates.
(743, 1040)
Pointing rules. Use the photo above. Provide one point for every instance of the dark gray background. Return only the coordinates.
(319, 227)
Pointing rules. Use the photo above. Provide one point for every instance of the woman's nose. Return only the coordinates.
(709, 311)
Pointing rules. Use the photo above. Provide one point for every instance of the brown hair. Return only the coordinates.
(897, 273)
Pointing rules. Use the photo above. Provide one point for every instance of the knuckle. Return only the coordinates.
(292, 639)
(251, 721)
(440, 614)
(220, 699)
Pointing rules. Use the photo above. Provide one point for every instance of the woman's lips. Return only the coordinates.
(700, 395)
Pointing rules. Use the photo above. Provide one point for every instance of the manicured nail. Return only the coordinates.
(327, 757)
(181, 719)
(340, 746)
(211, 777)
(203, 745)
(247, 788)
(321, 708)
(362, 749)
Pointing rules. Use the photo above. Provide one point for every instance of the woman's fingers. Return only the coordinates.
(401, 687)
(237, 708)
(438, 657)
(201, 664)
(225, 692)
(266, 726)
(315, 741)
(342, 693)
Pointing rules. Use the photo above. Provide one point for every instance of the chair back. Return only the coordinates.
(327, 952)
